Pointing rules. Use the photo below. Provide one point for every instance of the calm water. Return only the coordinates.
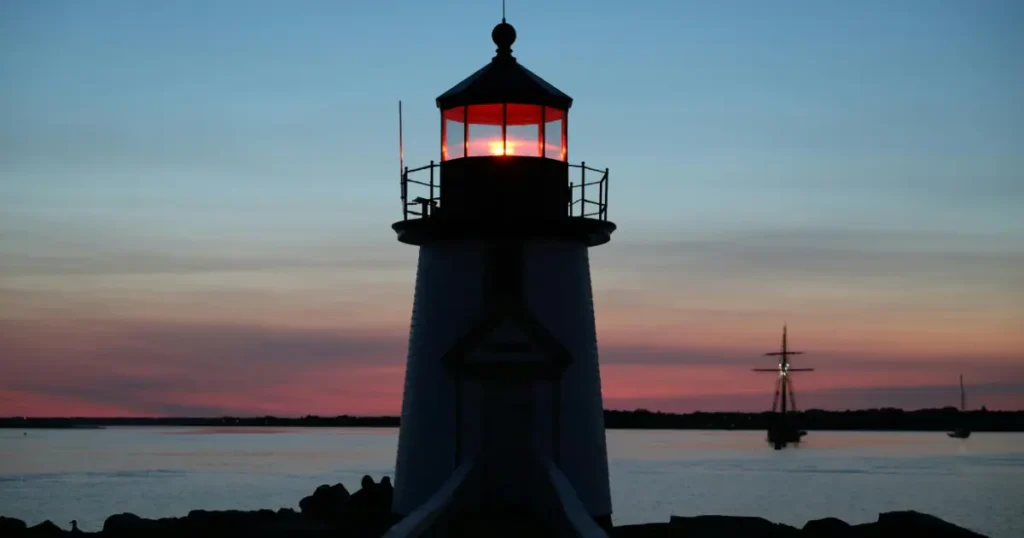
(154, 472)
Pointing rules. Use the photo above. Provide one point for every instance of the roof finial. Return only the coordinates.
(502, 10)
(503, 36)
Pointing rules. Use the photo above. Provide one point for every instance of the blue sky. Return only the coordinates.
(855, 162)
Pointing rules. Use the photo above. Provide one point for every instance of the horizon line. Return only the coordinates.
(636, 410)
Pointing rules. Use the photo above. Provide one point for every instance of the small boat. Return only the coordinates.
(782, 430)
(961, 433)
(784, 433)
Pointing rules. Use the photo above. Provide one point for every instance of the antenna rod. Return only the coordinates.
(502, 10)
(401, 154)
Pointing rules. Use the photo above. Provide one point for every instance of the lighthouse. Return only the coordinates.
(502, 380)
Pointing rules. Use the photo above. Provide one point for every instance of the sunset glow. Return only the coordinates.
(196, 206)
(499, 148)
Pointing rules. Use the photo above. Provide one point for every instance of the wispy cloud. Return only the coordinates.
(821, 254)
(34, 246)
(167, 368)
(164, 368)
(915, 292)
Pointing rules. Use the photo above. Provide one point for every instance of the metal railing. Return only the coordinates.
(426, 205)
(431, 518)
(580, 205)
(572, 517)
(602, 193)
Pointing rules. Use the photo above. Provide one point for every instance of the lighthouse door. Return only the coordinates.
(509, 466)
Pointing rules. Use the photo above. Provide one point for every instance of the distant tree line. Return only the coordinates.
(227, 421)
(885, 419)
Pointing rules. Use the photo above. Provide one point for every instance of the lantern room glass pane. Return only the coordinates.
(453, 133)
(555, 139)
(522, 130)
(454, 145)
(529, 131)
(485, 130)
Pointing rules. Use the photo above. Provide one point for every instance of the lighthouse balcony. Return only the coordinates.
(584, 197)
(508, 195)
(511, 193)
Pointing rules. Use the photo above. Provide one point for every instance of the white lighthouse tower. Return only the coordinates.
(502, 378)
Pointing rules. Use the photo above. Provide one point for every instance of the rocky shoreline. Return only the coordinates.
(333, 511)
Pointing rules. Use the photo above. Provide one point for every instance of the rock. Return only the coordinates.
(331, 511)
(368, 511)
(9, 525)
(385, 493)
(127, 524)
(731, 526)
(372, 498)
(910, 523)
(325, 503)
(46, 528)
(255, 524)
(329, 508)
(828, 527)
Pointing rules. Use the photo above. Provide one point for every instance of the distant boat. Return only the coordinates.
(961, 433)
(784, 433)
(782, 430)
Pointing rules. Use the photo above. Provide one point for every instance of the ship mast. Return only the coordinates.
(963, 397)
(783, 384)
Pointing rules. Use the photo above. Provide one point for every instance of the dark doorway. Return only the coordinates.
(508, 464)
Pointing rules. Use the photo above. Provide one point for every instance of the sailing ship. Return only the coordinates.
(961, 433)
(783, 429)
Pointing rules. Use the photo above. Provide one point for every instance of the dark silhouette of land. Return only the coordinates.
(332, 511)
(886, 419)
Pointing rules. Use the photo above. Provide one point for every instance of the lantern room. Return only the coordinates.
(504, 156)
(504, 109)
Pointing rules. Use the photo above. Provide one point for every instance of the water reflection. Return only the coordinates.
(671, 444)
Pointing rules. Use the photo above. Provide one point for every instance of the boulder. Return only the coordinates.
(325, 504)
(368, 511)
(44, 529)
(127, 524)
(828, 527)
(9, 526)
(910, 523)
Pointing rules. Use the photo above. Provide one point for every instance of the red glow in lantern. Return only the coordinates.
(510, 145)
(529, 131)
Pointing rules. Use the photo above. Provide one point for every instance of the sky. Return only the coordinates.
(196, 197)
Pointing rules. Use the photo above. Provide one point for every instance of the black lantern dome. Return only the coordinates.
(504, 80)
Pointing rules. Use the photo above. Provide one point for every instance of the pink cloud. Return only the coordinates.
(165, 368)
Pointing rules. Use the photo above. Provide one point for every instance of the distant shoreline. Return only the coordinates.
(859, 420)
